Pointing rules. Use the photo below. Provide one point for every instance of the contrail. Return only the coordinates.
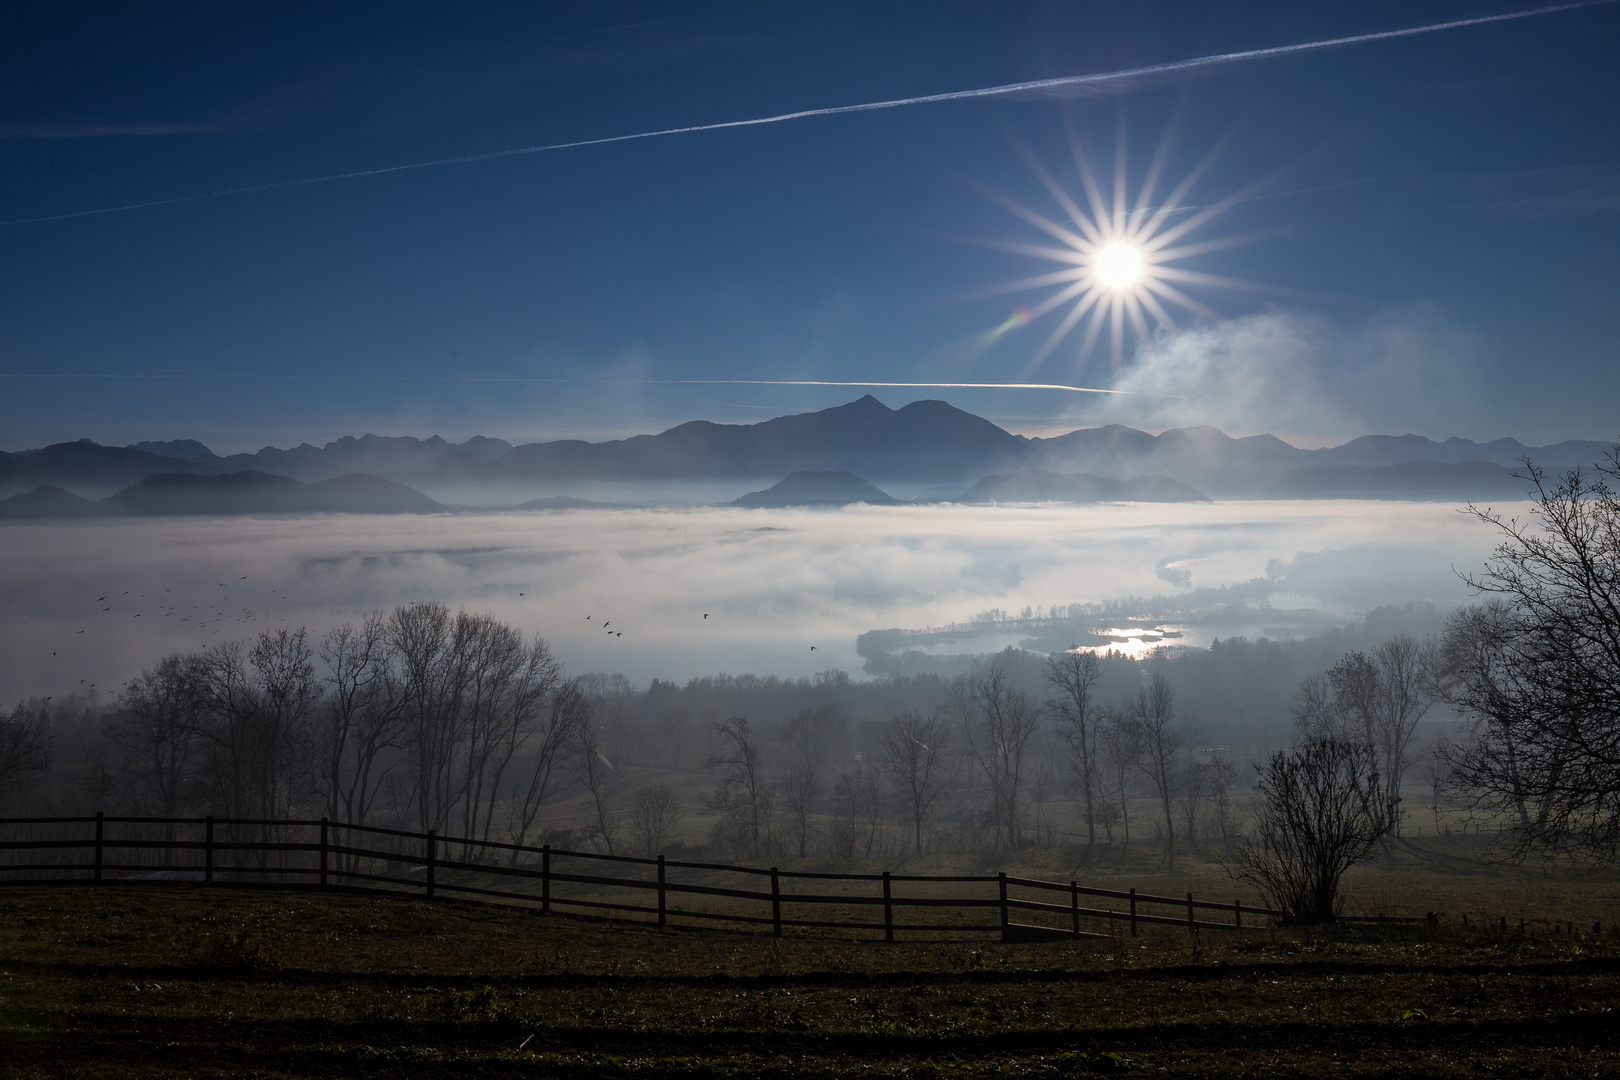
(913, 385)
(616, 382)
(1055, 87)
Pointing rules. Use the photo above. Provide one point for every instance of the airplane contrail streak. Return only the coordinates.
(915, 385)
(520, 379)
(1053, 86)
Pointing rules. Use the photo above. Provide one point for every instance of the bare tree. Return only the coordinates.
(1538, 670)
(365, 712)
(744, 800)
(997, 724)
(1320, 813)
(1121, 749)
(477, 695)
(798, 786)
(858, 812)
(654, 819)
(549, 744)
(812, 736)
(1376, 699)
(509, 684)
(1434, 766)
(1153, 715)
(1073, 676)
(420, 635)
(1195, 786)
(596, 776)
(158, 737)
(25, 744)
(917, 755)
(1222, 778)
(257, 707)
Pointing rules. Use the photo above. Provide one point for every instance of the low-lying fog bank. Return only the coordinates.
(99, 600)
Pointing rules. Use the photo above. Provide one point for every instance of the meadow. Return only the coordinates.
(135, 980)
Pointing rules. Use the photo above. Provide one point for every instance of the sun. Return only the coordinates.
(1118, 267)
(1117, 257)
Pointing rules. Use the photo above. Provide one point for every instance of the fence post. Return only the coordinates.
(1074, 905)
(888, 911)
(1192, 927)
(776, 904)
(432, 857)
(1133, 911)
(1237, 914)
(545, 879)
(100, 821)
(1002, 879)
(208, 851)
(323, 852)
(660, 891)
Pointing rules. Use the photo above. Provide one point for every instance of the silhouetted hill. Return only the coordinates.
(567, 502)
(818, 489)
(360, 493)
(1418, 480)
(87, 466)
(926, 440)
(184, 449)
(1037, 485)
(262, 493)
(49, 502)
(373, 454)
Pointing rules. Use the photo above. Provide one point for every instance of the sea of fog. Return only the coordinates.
(98, 600)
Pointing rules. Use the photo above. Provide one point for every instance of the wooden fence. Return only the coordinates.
(329, 854)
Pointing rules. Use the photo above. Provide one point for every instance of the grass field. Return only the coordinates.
(143, 980)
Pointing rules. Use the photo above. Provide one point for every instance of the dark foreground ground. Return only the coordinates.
(136, 981)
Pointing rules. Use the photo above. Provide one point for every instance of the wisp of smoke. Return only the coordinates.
(1287, 371)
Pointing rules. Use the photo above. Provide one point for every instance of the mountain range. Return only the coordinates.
(244, 492)
(923, 442)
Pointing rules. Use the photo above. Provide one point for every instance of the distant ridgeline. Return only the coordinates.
(925, 442)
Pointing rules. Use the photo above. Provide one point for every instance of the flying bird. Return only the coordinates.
(602, 757)
(705, 614)
(99, 599)
(619, 632)
(812, 648)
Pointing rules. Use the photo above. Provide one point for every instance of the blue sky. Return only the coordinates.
(1436, 217)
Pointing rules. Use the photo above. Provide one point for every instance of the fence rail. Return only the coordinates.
(330, 854)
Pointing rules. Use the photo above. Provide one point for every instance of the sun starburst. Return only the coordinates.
(1118, 258)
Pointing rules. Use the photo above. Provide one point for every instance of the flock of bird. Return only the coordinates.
(606, 623)
(197, 617)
